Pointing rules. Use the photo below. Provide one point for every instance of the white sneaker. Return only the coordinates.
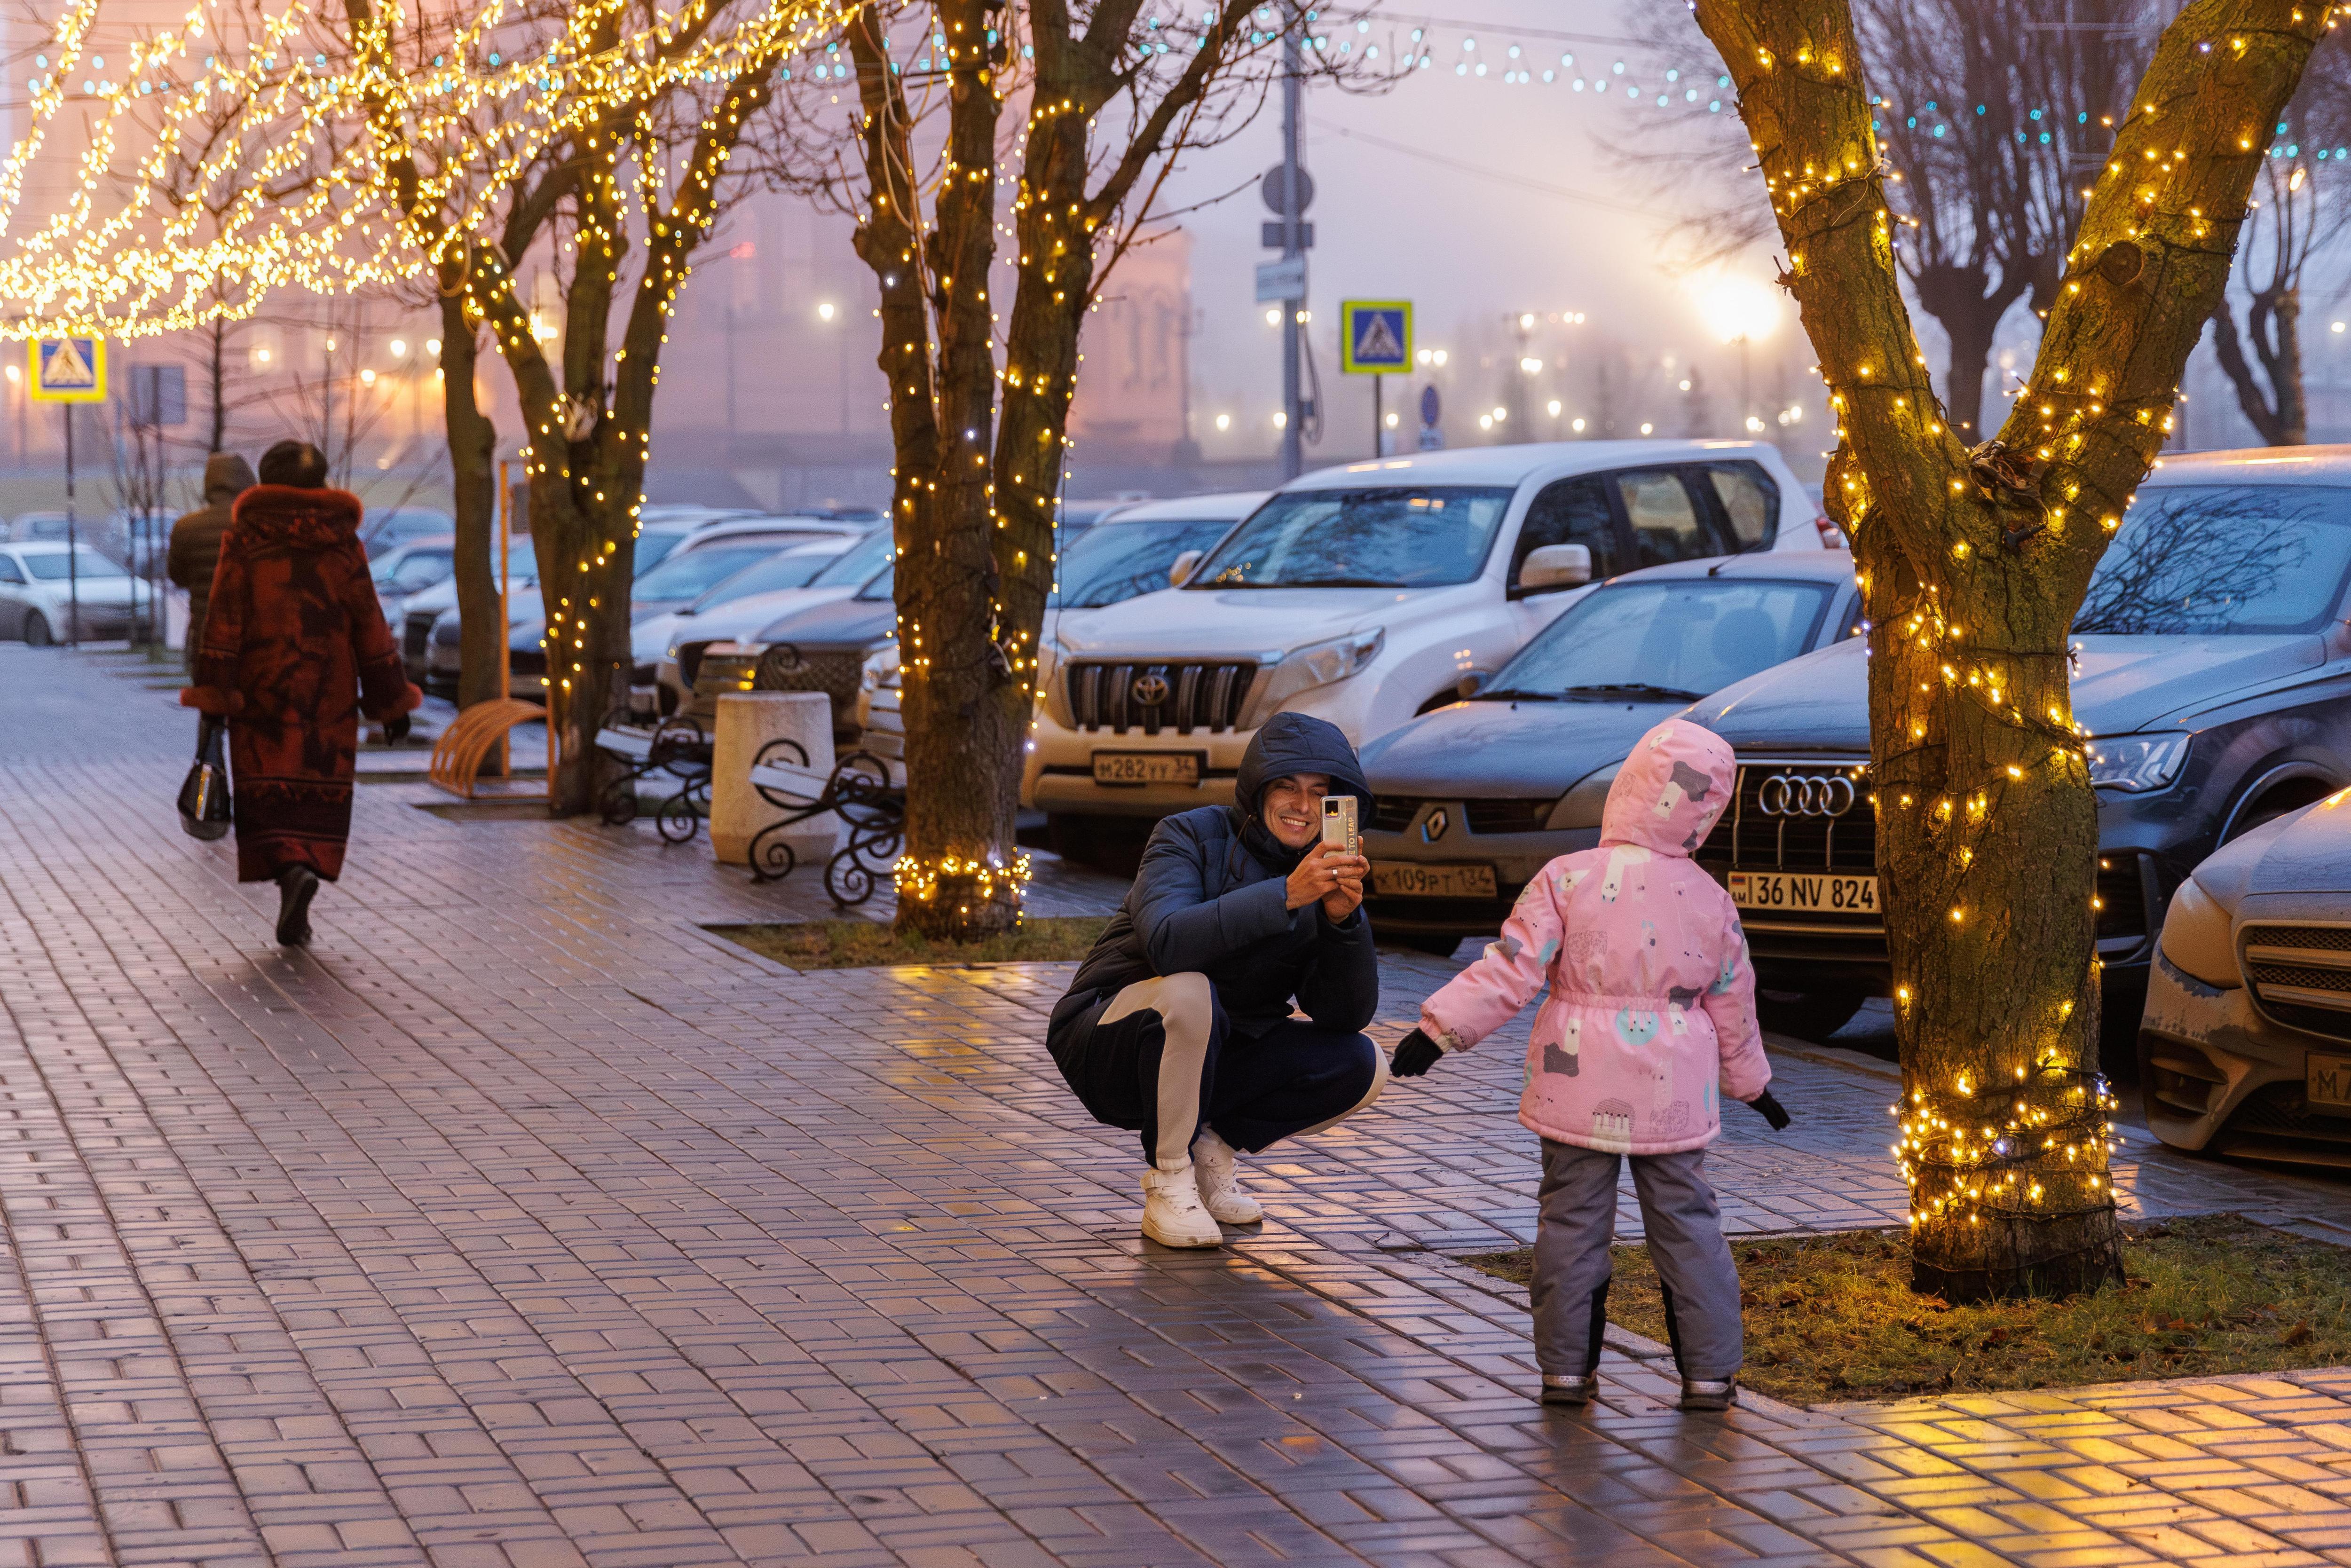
(1215, 1169)
(1172, 1215)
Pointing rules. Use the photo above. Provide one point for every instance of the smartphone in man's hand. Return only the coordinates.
(1339, 823)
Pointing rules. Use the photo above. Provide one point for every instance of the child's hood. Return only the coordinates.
(1670, 790)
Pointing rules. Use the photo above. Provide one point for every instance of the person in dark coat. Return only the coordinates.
(196, 541)
(1179, 1023)
(295, 649)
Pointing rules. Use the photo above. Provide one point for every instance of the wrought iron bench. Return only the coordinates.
(871, 810)
(677, 746)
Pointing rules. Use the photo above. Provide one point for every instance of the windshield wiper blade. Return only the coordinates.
(1513, 693)
(1320, 583)
(1637, 688)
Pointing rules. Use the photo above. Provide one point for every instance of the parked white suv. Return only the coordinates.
(1365, 594)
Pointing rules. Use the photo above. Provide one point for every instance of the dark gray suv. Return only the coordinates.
(2211, 662)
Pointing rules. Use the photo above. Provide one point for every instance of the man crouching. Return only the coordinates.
(1179, 1025)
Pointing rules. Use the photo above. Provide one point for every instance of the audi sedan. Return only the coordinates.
(2211, 663)
(1474, 798)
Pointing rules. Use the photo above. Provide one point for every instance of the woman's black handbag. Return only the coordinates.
(203, 795)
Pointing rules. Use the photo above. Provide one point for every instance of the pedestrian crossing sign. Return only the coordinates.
(68, 370)
(1374, 337)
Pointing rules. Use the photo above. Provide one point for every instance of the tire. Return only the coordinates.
(36, 630)
(1808, 1015)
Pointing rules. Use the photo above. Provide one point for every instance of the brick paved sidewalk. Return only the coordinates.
(521, 1222)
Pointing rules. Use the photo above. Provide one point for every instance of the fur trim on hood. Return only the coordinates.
(311, 519)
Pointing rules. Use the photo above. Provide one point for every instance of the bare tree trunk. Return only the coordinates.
(1974, 564)
(2271, 397)
(472, 475)
(216, 370)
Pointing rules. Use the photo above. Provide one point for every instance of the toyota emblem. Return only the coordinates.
(1149, 690)
(1805, 795)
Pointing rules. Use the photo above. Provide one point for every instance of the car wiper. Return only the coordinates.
(1318, 583)
(1513, 693)
(1634, 688)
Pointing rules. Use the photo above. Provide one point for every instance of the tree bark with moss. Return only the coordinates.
(1972, 564)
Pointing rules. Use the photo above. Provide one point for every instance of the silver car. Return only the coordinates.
(2245, 1046)
(1472, 800)
(39, 588)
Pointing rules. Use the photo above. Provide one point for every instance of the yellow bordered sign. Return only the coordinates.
(1374, 337)
(67, 370)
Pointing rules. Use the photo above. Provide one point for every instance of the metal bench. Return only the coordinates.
(871, 810)
(677, 746)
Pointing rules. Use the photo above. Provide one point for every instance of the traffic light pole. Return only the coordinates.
(1294, 422)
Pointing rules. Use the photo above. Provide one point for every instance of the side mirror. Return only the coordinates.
(1183, 567)
(1557, 566)
(1470, 685)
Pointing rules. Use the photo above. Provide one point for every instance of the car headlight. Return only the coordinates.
(1583, 805)
(2197, 939)
(1319, 665)
(2138, 764)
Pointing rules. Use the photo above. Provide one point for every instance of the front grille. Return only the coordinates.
(1394, 813)
(2122, 901)
(1747, 838)
(1507, 816)
(2285, 1110)
(414, 633)
(2301, 976)
(1184, 697)
(838, 674)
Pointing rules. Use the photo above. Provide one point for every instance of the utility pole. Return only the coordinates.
(1293, 424)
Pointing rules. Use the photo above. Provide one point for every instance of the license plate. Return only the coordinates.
(1146, 768)
(1800, 890)
(2328, 1080)
(1408, 881)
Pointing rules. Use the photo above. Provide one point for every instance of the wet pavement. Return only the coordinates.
(521, 1220)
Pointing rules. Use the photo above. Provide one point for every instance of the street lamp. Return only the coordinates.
(1742, 311)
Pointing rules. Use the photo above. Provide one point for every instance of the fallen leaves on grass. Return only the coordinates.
(1833, 1317)
(869, 944)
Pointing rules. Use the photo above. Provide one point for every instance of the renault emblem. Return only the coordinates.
(1149, 690)
(1434, 829)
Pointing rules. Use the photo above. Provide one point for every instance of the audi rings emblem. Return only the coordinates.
(1805, 795)
(1149, 691)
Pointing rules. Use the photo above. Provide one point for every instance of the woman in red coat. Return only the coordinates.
(295, 649)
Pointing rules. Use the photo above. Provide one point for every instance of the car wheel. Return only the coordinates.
(36, 630)
(1808, 1015)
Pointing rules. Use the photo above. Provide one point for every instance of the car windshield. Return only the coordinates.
(686, 576)
(883, 587)
(417, 569)
(791, 570)
(1116, 562)
(87, 562)
(2200, 560)
(388, 531)
(654, 548)
(1678, 639)
(1402, 537)
(858, 563)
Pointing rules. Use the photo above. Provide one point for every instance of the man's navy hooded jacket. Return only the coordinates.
(1210, 899)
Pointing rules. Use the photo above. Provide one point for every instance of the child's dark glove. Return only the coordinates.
(395, 729)
(1770, 1110)
(1414, 1054)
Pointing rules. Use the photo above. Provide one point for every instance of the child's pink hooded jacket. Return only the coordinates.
(1652, 1007)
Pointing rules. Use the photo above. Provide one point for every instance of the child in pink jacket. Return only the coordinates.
(1650, 1019)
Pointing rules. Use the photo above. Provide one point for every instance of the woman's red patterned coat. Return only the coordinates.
(295, 649)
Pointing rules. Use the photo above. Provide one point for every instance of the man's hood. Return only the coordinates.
(1523, 748)
(1671, 788)
(1290, 744)
(228, 475)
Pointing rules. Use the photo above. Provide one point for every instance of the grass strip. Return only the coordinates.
(870, 945)
(1833, 1318)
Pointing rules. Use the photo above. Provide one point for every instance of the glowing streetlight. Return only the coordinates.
(1555, 408)
(399, 347)
(1576, 425)
(824, 310)
(1224, 421)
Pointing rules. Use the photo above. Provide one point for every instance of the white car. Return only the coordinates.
(1368, 594)
(674, 643)
(40, 587)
